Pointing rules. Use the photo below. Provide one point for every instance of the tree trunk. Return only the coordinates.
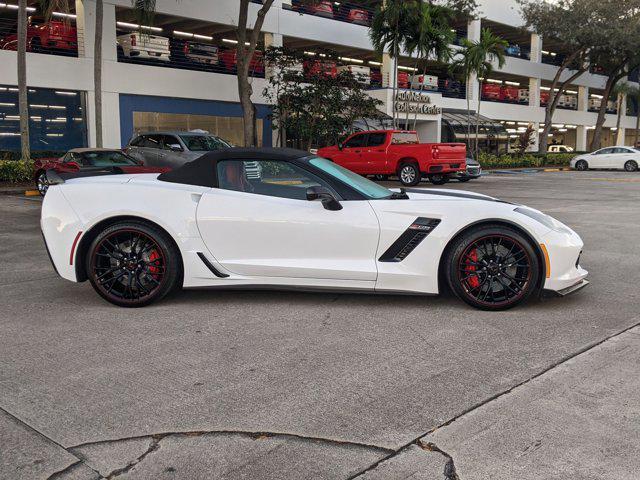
(552, 104)
(619, 118)
(637, 133)
(477, 146)
(468, 114)
(244, 54)
(97, 72)
(615, 76)
(23, 101)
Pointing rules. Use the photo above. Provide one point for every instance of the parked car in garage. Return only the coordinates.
(203, 54)
(424, 82)
(523, 96)
(509, 94)
(398, 152)
(144, 45)
(544, 98)
(491, 91)
(321, 9)
(89, 161)
(361, 73)
(353, 14)
(53, 36)
(229, 59)
(313, 68)
(451, 87)
(609, 158)
(172, 149)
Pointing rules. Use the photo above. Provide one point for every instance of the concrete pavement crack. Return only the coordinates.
(252, 434)
(64, 471)
(566, 358)
(449, 467)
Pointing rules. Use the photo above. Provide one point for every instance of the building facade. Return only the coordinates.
(184, 78)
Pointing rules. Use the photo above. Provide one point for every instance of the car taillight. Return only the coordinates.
(133, 41)
(186, 48)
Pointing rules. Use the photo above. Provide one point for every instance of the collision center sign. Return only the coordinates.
(415, 102)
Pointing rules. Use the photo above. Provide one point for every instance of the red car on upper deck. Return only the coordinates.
(53, 36)
(88, 161)
(398, 152)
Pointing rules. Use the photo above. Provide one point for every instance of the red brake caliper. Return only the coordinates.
(154, 270)
(473, 281)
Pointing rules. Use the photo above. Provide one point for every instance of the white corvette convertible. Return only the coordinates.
(301, 222)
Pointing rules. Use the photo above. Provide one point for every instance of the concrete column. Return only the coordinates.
(86, 22)
(387, 70)
(581, 138)
(621, 133)
(474, 29)
(583, 99)
(536, 48)
(429, 131)
(534, 92)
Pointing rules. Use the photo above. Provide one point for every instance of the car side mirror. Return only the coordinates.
(329, 202)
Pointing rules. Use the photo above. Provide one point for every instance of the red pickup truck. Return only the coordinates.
(55, 36)
(398, 152)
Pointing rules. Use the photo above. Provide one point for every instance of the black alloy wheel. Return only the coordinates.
(582, 165)
(42, 183)
(133, 264)
(492, 268)
(630, 166)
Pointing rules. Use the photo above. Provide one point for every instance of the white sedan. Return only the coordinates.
(619, 158)
(303, 222)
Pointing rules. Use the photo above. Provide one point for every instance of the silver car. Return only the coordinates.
(172, 149)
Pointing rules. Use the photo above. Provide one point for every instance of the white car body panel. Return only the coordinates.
(266, 241)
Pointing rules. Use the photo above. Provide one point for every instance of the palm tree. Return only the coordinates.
(430, 37)
(389, 29)
(478, 58)
(23, 101)
(620, 92)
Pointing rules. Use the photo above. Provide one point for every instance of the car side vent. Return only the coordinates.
(210, 266)
(409, 240)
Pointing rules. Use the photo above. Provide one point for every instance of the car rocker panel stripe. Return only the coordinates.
(409, 240)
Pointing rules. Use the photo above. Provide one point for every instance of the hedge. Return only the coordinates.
(488, 160)
(16, 171)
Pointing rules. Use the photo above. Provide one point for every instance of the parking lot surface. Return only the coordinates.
(244, 384)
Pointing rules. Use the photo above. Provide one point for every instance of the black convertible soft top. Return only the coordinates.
(203, 171)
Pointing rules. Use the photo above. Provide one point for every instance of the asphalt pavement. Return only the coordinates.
(281, 385)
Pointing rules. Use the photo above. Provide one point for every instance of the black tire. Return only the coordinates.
(409, 174)
(141, 264)
(498, 255)
(464, 179)
(438, 179)
(631, 166)
(42, 184)
(36, 46)
(582, 165)
(381, 178)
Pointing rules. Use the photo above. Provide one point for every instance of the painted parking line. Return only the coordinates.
(623, 180)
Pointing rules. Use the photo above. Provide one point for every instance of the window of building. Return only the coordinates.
(56, 119)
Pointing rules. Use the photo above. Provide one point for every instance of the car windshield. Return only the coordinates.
(106, 159)
(369, 189)
(203, 143)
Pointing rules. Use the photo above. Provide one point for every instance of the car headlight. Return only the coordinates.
(544, 219)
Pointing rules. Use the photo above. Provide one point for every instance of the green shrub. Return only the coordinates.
(14, 171)
(529, 160)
